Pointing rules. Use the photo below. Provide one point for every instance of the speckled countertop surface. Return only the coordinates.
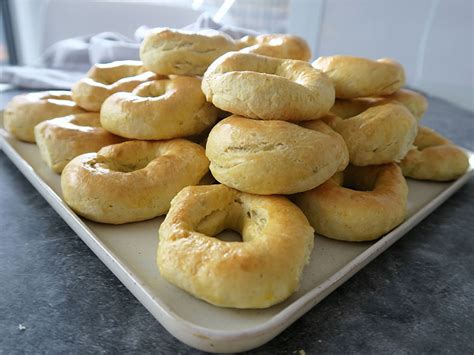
(417, 297)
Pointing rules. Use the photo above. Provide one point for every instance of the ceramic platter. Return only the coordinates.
(129, 252)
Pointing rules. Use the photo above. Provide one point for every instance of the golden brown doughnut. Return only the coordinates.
(159, 109)
(434, 158)
(25, 111)
(274, 157)
(166, 51)
(104, 80)
(413, 101)
(362, 203)
(379, 135)
(61, 139)
(131, 181)
(360, 77)
(262, 270)
(267, 88)
(276, 45)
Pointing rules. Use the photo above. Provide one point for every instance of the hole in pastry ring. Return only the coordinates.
(160, 109)
(104, 80)
(131, 181)
(360, 77)
(25, 111)
(277, 46)
(413, 101)
(259, 272)
(61, 139)
(342, 213)
(379, 135)
(434, 158)
(274, 157)
(166, 51)
(268, 88)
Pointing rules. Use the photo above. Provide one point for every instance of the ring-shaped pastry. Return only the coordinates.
(359, 204)
(352, 107)
(160, 109)
(61, 139)
(360, 77)
(274, 157)
(25, 111)
(277, 46)
(379, 135)
(131, 181)
(262, 270)
(267, 88)
(413, 101)
(434, 158)
(104, 80)
(167, 51)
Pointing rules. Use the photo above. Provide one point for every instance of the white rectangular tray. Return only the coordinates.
(129, 252)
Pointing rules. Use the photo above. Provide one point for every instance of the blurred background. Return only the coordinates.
(433, 39)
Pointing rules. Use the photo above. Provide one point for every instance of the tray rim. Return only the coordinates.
(212, 339)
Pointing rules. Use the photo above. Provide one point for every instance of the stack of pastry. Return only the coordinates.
(336, 136)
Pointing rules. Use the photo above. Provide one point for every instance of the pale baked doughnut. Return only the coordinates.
(361, 77)
(380, 134)
(413, 101)
(267, 88)
(166, 51)
(104, 80)
(276, 45)
(159, 109)
(434, 158)
(131, 181)
(61, 139)
(352, 107)
(262, 270)
(274, 157)
(362, 203)
(25, 111)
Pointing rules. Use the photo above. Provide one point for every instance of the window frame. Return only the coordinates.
(8, 28)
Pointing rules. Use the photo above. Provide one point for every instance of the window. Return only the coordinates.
(7, 46)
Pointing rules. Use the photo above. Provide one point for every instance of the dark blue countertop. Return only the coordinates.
(417, 297)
